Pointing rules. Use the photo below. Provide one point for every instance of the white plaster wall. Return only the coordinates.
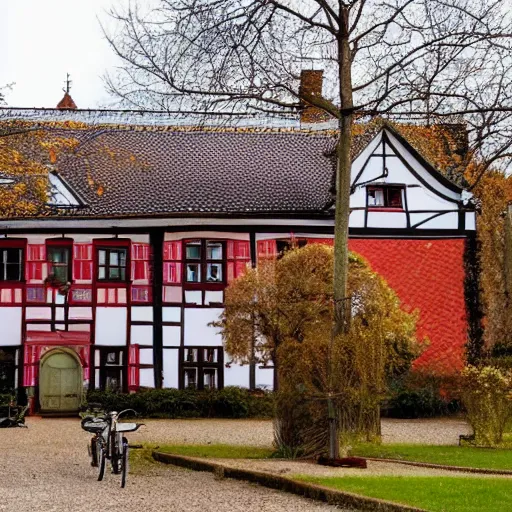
(141, 335)
(171, 336)
(471, 221)
(197, 331)
(170, 367)
(236, 375)
(142, 314)
(264, 378)
(389, 219)
(171, 314)
(80, 313)
(10, 326)
(110, 326)
(38, 314)
(446, 221)
(146, 356)
(213, 296)
(147, 377)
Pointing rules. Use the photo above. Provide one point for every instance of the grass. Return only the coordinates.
(436, 494)
(466, 456)
(217, 451)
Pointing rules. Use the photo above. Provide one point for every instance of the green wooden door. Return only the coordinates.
(60, 383)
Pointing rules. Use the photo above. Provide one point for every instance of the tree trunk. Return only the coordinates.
(343, 179)
(342, 214)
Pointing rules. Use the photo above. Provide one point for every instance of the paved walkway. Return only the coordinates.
(46, 468)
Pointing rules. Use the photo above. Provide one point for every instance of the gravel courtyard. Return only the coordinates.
(46, 468)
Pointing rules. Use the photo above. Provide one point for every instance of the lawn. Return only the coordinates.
(436, 494)
(217, 451)
(466, 456)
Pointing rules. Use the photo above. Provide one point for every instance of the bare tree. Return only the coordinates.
(432, 57)
(435, 58)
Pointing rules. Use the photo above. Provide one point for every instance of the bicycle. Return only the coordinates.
(109, 443)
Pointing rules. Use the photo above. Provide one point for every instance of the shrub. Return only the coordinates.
(422, 395)
(487, 397)
(230, 402)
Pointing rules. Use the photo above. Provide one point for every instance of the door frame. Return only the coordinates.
(74, 355)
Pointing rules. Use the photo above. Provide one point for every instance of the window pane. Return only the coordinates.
(58, 254)
(193, 272)
(122, 258)
(7, 370)
(114, 273)
(209, 378)
(123, 274)
(193, 250)
(114, 258)
(13, 255)
(60, 272)
(375, 197)
(214, 250)
(12, 272)
(214, 272)
(101, 272)
(395, 198)
(190, 378)
(191, 355)
(210, 355)
(102, 256)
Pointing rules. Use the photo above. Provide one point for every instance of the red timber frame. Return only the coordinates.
(236, 258)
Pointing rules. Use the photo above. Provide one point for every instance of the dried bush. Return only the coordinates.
(487, 397)
(283, 312)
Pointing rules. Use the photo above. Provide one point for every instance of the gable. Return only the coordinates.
(425, 199)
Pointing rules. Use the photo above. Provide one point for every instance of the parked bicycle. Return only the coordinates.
(109, 442)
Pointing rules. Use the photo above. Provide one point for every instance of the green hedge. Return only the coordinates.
(230, 402)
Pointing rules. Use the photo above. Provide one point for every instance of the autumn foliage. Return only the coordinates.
(282, 312)
(27, 154)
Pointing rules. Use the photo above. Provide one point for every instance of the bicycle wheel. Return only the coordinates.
(124, 464)
(94, 452)
(101, 458)
(116, 459)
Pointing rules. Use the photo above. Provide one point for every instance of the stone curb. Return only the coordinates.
(307, 490)
(461, 469)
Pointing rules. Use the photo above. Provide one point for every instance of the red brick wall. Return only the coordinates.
(427, 275)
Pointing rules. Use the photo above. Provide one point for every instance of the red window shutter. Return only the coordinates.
(36, 259)
(140, 261)
(242, 250)
(172, 272)
(134, 368)
(172, 250)
(82, 262)
(230, 249)
(231, 271)
(267, 249)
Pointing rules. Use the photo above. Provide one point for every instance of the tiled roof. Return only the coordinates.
(130, 172)
(138, 170)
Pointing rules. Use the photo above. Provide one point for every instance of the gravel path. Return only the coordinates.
(46, 468)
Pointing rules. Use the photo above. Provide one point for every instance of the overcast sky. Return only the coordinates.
(42, 40)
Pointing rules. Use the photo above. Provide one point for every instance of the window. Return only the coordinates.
(8, 369)
(110, 369)
(385, 197)
(202, 368)
(59, 262)
(112, 264)
(204, 261)
(10, 264)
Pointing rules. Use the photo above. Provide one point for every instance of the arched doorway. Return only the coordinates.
(60, 382)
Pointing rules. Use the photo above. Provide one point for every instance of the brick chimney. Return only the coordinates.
(66, 103)
(311, 83)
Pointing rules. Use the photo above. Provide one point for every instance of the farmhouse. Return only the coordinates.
(113, 283)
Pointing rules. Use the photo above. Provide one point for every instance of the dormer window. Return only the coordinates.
(385, 196)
